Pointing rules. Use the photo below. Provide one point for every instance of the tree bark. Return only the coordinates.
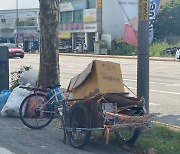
(49, 72)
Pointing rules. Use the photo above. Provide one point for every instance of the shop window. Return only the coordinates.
(69, 16)
(65, 1)
(91, 4)
(3, 20)
(63, 17)
(66, 17)
(78, 16)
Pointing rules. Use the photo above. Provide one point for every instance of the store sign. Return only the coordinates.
(64, 35)
(90, 27)
(89, 15)
(75, 26)
(75, 5)
(99, 4)
(143, 9)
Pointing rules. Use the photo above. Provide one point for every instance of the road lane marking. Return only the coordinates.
(167, 84)
(165, 92)
(5, 151)
(154, 104)
(160, 91)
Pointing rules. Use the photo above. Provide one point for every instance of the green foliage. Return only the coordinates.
(14, 76)
(168, 19)
(156, 49)
(163, 139)
(120, 48)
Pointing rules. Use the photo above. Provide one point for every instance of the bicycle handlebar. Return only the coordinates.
(30, 88)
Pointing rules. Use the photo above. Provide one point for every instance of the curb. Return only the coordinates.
(119, 57)
(115, 56)
(176, 128)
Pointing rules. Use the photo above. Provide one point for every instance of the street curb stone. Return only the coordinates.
(113, 56)
(120, 57)
(176, 128)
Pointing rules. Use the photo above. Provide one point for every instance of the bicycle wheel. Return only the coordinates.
(79, 117)
(35, 112)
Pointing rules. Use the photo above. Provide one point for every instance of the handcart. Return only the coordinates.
(110, 112)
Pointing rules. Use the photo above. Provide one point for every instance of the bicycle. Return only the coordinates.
(38, 110)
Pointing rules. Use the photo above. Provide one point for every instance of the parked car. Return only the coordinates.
(68, 48)
(178, 53)
(169, 51)
(13, 50)
(65, 46)
(61, 47)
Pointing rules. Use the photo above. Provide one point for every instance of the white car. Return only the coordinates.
(177, 53)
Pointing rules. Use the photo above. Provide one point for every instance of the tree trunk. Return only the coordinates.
(49, 73)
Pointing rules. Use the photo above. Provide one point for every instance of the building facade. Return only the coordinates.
(90, 21)
(25, 32)
(81, 22)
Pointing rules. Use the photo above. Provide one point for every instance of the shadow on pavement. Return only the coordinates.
(169, 119)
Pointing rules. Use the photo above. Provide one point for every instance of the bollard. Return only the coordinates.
(4, 68)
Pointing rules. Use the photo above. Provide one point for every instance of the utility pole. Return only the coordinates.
(17, 23)
(143, 52)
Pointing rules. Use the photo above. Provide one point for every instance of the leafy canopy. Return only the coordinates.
(168, 19)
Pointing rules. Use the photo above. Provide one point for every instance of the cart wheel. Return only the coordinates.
(79, 117)
(129, 136)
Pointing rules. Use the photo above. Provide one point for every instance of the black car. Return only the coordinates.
(65, 46)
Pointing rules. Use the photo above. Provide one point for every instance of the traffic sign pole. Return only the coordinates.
(143, 52)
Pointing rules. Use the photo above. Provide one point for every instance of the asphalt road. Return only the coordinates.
(164, 80)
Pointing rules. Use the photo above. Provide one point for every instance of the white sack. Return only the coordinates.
(29, 76)
(11, 108)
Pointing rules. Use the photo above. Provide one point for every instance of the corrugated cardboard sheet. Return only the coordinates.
(97, 77)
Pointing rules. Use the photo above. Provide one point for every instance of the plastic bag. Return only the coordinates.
(3, 98)
(60, 94)
(29, 76)
(11, 108)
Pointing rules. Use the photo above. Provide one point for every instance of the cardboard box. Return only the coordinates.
(97, 77)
